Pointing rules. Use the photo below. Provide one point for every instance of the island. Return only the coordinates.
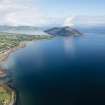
(10, 42)
(63, 31)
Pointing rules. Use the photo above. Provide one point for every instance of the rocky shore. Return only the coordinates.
(4, 55)
(7, 95)
(4, 74)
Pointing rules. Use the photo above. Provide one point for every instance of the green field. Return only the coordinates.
(8, 40)
(5, 95)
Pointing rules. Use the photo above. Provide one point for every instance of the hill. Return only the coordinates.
(63, 31)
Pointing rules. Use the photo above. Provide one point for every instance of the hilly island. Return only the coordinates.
(63, 31)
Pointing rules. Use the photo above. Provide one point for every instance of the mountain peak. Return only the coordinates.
(63, 31)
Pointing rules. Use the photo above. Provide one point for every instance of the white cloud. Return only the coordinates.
(15, 12)
(24, 12)
(69, 21)
(24, 17)
(90, 20)
(85, 20)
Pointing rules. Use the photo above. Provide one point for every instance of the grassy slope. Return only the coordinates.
(5, 95)
(8, 41)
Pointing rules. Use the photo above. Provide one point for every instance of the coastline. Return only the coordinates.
(3, 72)
(5, 54)
(11, 92)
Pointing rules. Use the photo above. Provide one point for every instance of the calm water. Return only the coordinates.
(61, 71)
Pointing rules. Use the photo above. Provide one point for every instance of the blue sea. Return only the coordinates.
(61, 71)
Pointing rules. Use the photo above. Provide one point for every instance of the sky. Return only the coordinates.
(42, 12)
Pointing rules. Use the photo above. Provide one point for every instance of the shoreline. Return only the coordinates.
(11, 92)
(4, 55)
(3, 71)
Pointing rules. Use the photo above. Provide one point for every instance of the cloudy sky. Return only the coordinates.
(41, 12)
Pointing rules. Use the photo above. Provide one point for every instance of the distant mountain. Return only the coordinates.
(28, 30)
(63, 31)
(18, 27)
